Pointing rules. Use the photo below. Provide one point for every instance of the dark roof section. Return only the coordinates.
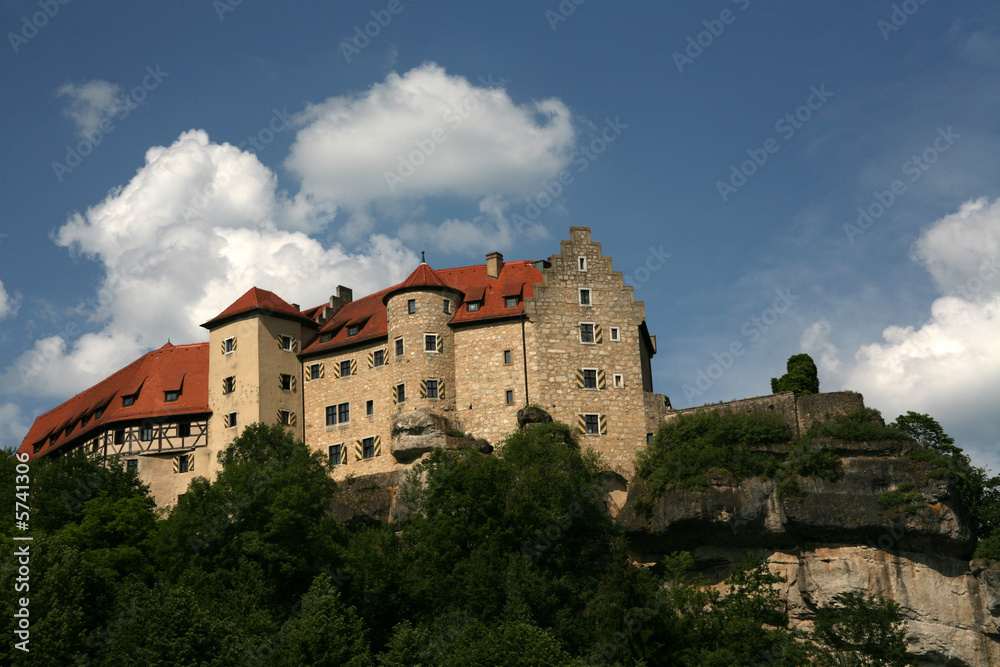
(152, 375)
(257, 299)
(514, 278)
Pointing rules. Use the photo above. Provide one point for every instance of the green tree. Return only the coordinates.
(862, 631)
(269, 505)
(926, 431)
(326, 632)
(802, 376)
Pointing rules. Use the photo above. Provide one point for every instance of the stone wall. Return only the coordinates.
(820, 407)
(482, 378)
(781, 404)
(555, 315)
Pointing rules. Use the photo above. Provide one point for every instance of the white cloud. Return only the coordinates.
(456, 138)
(9, 304)
(949, 366)
(90, 103)
(13, 426)
(197, 226)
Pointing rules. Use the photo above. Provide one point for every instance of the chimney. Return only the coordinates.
(343, 297)
(297, 307)
(494, 264)
(345, 294)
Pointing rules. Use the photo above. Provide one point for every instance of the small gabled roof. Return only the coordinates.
(423, 277)
(257, 299)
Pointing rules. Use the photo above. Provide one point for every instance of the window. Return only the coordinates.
(431, 343)
(369, 407)
(132, 466)
(345, 368)
(285, 417)
(510, 397)
(171, 396)
(229, 384)
(229, 345)
(582, 264)
(286, 342)
(146, 433)
(507, 359)
(649, 438)
(432, 388)
(128, 401)
(589, 378)
(400, 393)
(343, 413)
(399, 347)
(447, 306)
(336, 455)
(619, 380)
(315, 371)
(120, 436)
(585, 297)
(37, 447)
(510, 302)
(615, 334)
(184, 430)
(184, 463)
(411, 306)
(83, 422)
(473, 306)
(592, 424)
(586, 332)
(353, 329)
(231, 420)
(368, 448)
(97, 415)
(285, 381)
(378, 358)
(325, 338)
(331, 415)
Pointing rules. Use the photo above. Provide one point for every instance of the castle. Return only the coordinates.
(468, 346)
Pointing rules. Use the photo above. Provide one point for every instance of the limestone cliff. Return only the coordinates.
(831, 537)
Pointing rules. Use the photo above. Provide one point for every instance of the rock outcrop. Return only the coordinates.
(888, 527)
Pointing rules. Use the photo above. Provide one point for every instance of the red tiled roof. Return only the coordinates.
(259, 299)
(155, 372)
(515, 278)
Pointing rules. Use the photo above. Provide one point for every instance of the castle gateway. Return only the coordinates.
(464, 348)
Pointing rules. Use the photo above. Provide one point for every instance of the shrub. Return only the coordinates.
(687, 448)
(809, 461)
(859, 425)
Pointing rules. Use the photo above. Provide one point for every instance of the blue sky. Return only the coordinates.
(161, 158)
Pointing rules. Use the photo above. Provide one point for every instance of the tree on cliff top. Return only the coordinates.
(801, 378)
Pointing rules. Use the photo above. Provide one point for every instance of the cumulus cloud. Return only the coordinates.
(948, 366)
(426, 133)
(9, 304)
(490, 230)
(90, 103)
(13, 426)
(198, 225)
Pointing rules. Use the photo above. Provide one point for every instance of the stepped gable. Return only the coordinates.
(470, 282)
(181, 368)
(257, 299)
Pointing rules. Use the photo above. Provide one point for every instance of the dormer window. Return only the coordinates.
(353, 329)
(510, 302)
(473, 306)
(98, 413)
(326, 338)
(128, 401)
(171, 396)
